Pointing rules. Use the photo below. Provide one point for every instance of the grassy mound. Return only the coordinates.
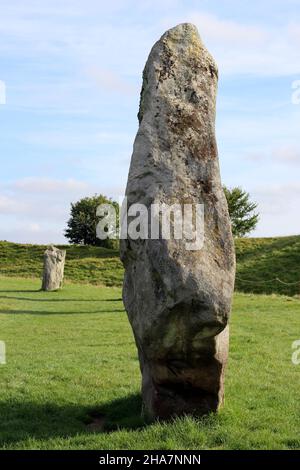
(264, 265)
(268, 265)
(83, 263)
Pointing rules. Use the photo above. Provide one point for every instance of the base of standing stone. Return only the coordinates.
(178, 388)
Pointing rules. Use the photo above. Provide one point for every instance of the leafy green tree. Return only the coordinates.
(242, 211)
(81, 227)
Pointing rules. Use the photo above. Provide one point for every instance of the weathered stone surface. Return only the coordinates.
(54, 263)
(178, 301)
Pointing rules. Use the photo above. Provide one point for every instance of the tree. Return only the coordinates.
(81, 227)
(242, 212)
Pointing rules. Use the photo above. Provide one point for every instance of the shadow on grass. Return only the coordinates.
(123, 413)
(44, 312)
(29, 420)
(28, 291)
(56, 300)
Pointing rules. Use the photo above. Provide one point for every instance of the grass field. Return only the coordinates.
(72, 377)
(260, 261)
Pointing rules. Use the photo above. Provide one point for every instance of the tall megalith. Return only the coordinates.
(178, 300)
(54, 264)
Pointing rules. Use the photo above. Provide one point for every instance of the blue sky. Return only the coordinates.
(73, 70)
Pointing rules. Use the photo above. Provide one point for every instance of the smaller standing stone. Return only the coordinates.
(54, 264)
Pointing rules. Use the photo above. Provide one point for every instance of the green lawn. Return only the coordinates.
(72, 376)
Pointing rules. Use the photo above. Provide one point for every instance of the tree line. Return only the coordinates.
(81, 226)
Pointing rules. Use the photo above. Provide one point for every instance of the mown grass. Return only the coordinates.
(71, 355)
(260, 261)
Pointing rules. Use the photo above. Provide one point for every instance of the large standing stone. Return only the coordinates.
(54, 263)
(178, 301)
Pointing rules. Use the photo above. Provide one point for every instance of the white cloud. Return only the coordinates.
(111, 81)
(294, 31)
(47, 185)
(278, 206)
(243, 48)
(238, 46)
(9, 205)
(227, 31)
(34, 210)
(284, 155)
(287, 155)
(34, 227)
(24, 232)
(76, 138)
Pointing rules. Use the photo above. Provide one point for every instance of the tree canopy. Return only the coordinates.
(242, 211)
(81, 226)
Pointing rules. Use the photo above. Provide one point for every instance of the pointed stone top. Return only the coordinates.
(185, 38)
(182, 31)
(176, 61)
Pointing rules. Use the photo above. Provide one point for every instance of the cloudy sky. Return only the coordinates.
(72, 72)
